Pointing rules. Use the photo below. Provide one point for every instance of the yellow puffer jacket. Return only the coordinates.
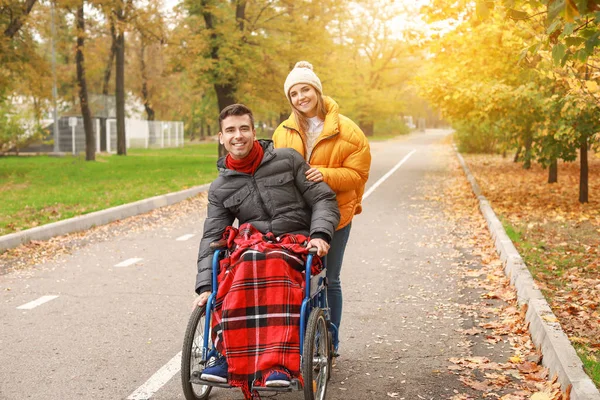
(341, 153)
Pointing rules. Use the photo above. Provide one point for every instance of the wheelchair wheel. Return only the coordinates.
(315, 356)
(330, 356)
(191, 355)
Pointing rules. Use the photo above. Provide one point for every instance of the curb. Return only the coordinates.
(97, 218)
(559, 356)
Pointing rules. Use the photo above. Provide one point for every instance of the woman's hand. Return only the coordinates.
(321, 245)
(314, 175)
(200, 300)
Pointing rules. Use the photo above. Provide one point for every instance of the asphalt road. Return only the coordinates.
(111, 328)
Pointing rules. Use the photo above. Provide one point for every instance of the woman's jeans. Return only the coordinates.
(333, 261)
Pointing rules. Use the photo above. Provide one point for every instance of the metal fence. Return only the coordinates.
(138, 134)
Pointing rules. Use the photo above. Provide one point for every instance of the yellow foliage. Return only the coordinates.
(592, 86)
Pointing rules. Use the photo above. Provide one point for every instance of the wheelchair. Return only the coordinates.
(318, 339)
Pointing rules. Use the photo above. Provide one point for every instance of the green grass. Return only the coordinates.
(590, 363)
(538, 260)
(550, 267)
(526, 249)
(38, 190)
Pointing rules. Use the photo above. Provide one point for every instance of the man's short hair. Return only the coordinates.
(235, 110)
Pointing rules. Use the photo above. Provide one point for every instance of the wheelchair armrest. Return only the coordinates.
(219, 245)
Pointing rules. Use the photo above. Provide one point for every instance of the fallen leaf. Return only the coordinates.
(540, 396)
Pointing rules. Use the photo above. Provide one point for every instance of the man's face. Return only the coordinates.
(237, 135)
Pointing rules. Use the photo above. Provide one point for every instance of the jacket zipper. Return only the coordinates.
(320, 141)
(262, 204)
(304, 144)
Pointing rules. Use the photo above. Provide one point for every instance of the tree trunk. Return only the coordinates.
(192, 129)
(145, 94)
(240, 14)
(527, 156)
(192, 122)
(517, 154)
(16, 23)
(553, 172)
(283, 116)
(583, 170)
(225, 97)
(90, 142)
(106, 80)
(120, 83)
(111, 57)
(367, 127)
(225, 92)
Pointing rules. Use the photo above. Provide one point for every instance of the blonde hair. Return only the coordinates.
(302, 120)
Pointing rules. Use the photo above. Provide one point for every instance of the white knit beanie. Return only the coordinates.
(302, 73)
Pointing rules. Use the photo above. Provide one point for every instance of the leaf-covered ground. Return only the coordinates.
(558, 237)
(503, 362)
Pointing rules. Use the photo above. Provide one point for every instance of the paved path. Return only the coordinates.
(111, 328)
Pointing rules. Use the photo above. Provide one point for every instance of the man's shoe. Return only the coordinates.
(216, 372)
(277, 379)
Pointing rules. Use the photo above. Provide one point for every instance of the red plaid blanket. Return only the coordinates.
(256, 321)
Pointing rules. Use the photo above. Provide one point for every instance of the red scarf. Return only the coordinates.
(249, 163)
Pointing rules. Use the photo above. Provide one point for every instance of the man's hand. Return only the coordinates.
(321, 245)
(200, 300)
(314, 175)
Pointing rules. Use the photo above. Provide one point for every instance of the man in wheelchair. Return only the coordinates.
(266, 188)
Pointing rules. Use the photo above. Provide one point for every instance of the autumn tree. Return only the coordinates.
(120, 11)
(243, 46)
(24, 76)
(555, 49)
(570, 37)
(474, 79)
(16, 13)
(90, 142)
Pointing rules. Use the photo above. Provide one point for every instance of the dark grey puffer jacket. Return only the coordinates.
(277, 198)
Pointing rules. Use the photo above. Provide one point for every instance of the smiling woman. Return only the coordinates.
(337, 152)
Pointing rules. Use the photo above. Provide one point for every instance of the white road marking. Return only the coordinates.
(158, 380)
(185, 237)
(387, 175)
(128, 262)
(38, 302)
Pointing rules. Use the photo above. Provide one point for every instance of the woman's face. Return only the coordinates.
(304, 99)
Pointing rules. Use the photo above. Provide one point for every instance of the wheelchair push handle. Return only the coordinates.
(222, 245)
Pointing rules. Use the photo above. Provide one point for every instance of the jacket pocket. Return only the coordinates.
(235, 200)
(282, 192)
(279, 180)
